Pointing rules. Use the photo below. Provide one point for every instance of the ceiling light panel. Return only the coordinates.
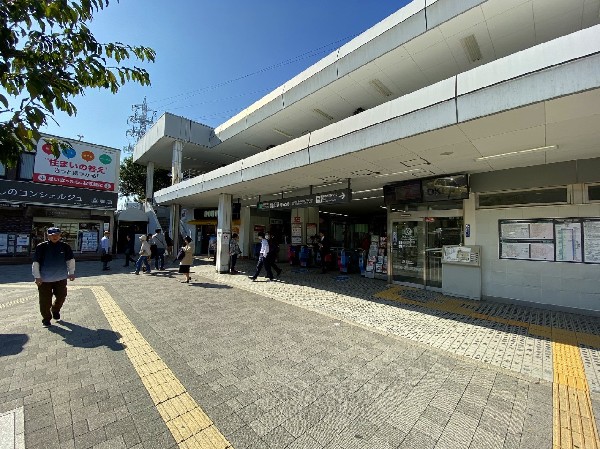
(380, 87)
(323, 114)
(471, 48)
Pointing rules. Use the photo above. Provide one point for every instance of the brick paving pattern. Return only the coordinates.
(311, 361)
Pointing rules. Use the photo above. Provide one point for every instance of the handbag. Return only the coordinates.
(106, 258)
(180, 254)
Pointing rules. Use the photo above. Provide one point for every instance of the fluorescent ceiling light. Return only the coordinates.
(283, 133)
(398, 173)
(323, 114)
(253, 146)
(517, 153)
(367, 198)
(380, 87)
(471, 48)
(369, 190)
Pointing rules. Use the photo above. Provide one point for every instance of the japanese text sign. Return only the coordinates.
(81, 165)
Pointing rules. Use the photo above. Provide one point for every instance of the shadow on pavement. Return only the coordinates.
(209, 285)
(12, 344)
(83, 337)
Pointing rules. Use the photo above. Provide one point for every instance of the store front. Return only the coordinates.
(416, 245)
(427, 214)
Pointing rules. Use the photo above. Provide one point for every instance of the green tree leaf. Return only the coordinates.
(48, 56)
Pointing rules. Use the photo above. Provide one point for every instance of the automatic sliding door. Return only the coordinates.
(408, 252)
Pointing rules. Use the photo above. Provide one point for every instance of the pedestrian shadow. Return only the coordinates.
(209, 285)
(12, 344)
(82, 337)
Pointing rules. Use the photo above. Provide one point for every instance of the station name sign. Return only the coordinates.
(316, 199)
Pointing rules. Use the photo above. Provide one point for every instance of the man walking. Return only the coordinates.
(53, 263)
(273, 254)
(158, 239)
(262, 258)
(323, 250)
(105, 248)
(129, 250)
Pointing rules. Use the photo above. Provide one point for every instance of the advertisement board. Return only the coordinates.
(81, 165)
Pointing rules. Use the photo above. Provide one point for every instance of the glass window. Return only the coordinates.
(524, 197)
(594, 193)
(26, 166)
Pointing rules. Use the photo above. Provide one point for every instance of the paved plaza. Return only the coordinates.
(308, 361)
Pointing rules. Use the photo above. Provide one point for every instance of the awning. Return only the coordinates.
(132, 215)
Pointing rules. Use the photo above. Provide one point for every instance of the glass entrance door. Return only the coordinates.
(440, 232)
(417, 249)
(408, 255)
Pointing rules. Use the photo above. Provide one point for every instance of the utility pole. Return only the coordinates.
(140, 121)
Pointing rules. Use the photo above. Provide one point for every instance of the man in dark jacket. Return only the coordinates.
(323, 250)
(273, 254)
(53, 263)
(129, 250)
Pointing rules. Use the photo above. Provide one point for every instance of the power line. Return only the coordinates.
(300, 57)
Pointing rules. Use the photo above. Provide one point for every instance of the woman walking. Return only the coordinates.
(144, 254)
(186, 262)
(234, 252)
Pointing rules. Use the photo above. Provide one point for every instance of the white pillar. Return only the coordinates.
(150, 180)
(176, 164)
(174, 226)
(223, 232)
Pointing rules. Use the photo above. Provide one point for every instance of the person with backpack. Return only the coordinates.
(158, 239)
(169, 241)
(145, 252)
(273, 254)
(53, 263)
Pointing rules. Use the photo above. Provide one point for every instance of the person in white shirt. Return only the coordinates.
(105, 248)
(262, 258)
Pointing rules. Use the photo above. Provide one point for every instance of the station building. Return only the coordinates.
(460, 138)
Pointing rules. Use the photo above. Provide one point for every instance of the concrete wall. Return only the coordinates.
(574, 285)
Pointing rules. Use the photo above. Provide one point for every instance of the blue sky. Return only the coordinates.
(204, 47)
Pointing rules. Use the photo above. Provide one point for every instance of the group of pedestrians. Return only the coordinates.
(153, 247)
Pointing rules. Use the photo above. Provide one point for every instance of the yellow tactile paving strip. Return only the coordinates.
(190, 426)
(574, 426)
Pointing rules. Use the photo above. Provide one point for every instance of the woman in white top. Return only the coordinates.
(144, 254)
(188, 258)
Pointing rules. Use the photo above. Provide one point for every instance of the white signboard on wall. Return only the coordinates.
(81, 165)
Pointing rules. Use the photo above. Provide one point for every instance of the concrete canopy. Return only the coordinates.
(429, 121)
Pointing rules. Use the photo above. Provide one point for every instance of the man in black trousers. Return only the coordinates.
(324, 250)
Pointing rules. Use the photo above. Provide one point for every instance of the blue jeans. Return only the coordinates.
(159, 261)
(140, 261)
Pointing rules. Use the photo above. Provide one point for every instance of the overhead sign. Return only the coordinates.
(334, 197)
(32, 193)
(81, 165)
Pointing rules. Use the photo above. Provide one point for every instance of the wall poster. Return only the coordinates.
(591, 238)
(574, 240)
(568, 241)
